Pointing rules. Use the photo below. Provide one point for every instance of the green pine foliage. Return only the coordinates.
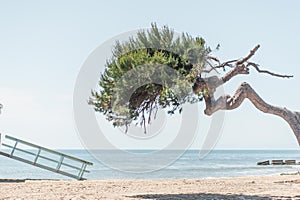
(150, 49)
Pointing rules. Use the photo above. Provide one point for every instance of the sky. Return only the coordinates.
(43, 45)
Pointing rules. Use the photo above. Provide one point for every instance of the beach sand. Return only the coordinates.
(258, 187)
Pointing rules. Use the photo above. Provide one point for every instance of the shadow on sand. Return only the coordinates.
(27, 179)
(206, 196)
(12, 180)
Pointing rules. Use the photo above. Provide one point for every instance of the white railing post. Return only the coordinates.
(13, 150)
(37, 156)
(60, 162)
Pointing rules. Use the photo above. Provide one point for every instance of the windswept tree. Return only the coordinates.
(193, 60)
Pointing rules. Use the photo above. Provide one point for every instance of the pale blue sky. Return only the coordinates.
(44, 43)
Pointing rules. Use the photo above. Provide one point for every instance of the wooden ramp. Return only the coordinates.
(36, 155)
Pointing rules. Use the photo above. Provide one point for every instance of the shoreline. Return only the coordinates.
(146, 179)
(247, 187)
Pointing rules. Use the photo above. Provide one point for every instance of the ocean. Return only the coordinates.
(218, 163)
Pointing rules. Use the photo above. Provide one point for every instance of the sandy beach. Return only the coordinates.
(262, 187)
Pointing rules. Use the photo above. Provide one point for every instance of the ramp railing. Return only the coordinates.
(56, 162)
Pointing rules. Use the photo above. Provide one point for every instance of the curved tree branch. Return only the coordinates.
(226, 102)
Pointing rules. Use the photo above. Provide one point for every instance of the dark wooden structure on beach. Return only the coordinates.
(278, 162)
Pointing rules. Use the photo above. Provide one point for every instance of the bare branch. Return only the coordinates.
(228, 63)
(240, 69)
(267, 72)
(214, 59)
(211, 68)
(252, 52)
(220, 65)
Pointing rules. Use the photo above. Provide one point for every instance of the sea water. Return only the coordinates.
(218, 163)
